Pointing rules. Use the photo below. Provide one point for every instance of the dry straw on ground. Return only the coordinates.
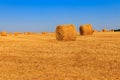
(66, 33)
(104, 30)
(39, 57)
(10, 33)
(3, 33)
(86, 29)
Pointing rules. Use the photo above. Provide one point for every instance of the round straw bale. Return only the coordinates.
(44, 32)
(112, 30)
(16, 33)
(86, 29)
(104, 30)
(95, 31)
(27, 33)
(66, 32)
(3, 33)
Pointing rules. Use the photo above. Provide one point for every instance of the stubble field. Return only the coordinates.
(42, 57)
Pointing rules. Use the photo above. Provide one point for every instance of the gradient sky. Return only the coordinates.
(45, 15)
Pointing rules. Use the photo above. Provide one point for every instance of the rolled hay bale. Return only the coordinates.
(34, 32)
(86, 29)
(44, 32)
(99, 30)
(95, 31)
(27, 33)
(112, 30)
(104, 30)
(16, 33)
(3, 33)
(66, 32)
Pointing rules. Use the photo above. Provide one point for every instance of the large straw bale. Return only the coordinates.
(66, 32)
(3, 33)
(86, 29)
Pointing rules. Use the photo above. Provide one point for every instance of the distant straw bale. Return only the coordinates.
(86, 29)
(66, 32)
(95, 31)
(27, 33)
(3, 33)
(44, 32)
(34, 32)
(104, 30)
(16, 33)
(112, 30)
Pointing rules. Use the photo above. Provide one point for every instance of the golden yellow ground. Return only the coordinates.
(42, 57)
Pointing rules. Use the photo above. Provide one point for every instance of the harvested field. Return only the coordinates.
(42, 57)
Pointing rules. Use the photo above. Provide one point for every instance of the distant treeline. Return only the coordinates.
(117, 30)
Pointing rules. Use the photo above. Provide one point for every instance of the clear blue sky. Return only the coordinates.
(45, 15)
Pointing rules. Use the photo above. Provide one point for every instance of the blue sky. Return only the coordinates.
(45, 15)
